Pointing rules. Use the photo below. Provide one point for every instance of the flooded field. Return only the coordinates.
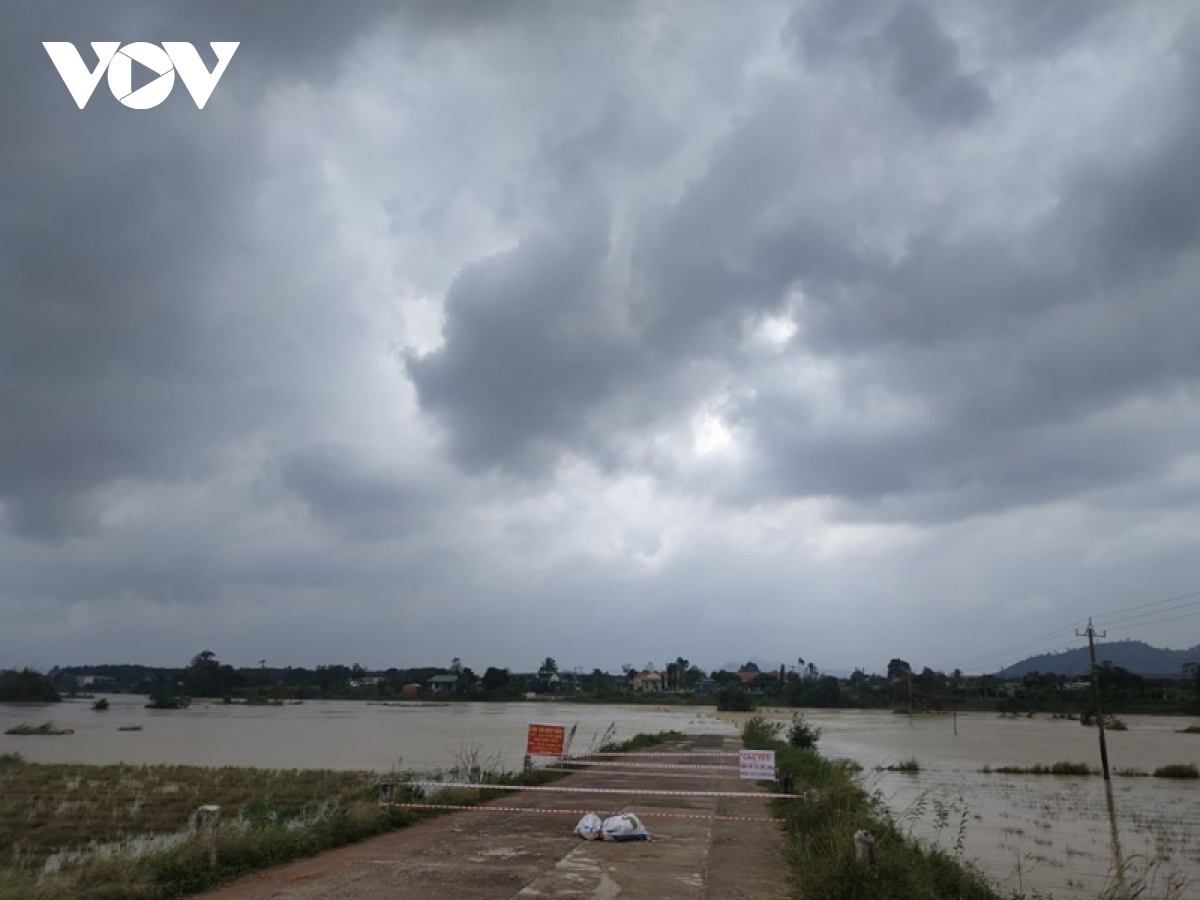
(1045, 833)
(321, 734)
(1050, 834)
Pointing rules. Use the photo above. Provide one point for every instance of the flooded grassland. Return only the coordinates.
(1033, 833)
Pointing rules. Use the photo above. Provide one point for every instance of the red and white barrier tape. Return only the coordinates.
(600, 790)
(638, 772)
(724, 753)
(649, 814)
(642, 765)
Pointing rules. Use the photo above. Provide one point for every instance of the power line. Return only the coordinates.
(1160, 602)
(1130, 625)
(1048, 641)
(1150, 612)
(1121, 619)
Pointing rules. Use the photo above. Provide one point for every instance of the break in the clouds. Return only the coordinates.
(608, 331)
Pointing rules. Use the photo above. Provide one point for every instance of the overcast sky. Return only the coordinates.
(611, 331)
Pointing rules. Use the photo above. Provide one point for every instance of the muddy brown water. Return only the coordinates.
(323, 734)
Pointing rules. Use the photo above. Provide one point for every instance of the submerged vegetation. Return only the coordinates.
(46, 728)
(1177, 770)
(1058, 768)
(908, 766)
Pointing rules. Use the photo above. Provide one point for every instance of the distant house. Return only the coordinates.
(411, 689)
(704, 686)
(442, 684)
(96, 681)
(649, 682)
(365, 682)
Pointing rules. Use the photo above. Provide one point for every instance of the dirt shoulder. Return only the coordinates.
(494, 855)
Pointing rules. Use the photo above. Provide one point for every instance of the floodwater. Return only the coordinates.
(1033, 833)
(323, 734)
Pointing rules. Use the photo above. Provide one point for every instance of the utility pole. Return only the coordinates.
(1090, 633)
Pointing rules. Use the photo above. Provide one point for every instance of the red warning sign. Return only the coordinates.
(546, 740)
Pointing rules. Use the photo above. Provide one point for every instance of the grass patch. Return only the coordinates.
(1058, 768)
(44, 728)
(908, 766)
(1191, 729)
(1177, 770)
(1130, 772)
(642, 741)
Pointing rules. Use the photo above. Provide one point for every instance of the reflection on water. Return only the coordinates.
(1064, 836)
(321, 734)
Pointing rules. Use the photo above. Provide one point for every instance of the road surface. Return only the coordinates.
(493, 855)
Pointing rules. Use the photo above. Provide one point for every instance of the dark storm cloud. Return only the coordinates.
(998, 347)
(905, 44)
(925, 70)
(530, 349)
(107, 240)
(574, 303)
(1044, 26)
(363, 499)
(116, 225)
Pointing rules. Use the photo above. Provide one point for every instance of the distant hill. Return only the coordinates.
(1136, 656)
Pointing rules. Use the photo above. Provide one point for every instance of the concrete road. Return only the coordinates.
(490, 855)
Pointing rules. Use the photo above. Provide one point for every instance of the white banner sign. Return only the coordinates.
(757, 765)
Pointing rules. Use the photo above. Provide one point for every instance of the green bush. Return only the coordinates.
(801, 734)
(758, 732)
(734, 698)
